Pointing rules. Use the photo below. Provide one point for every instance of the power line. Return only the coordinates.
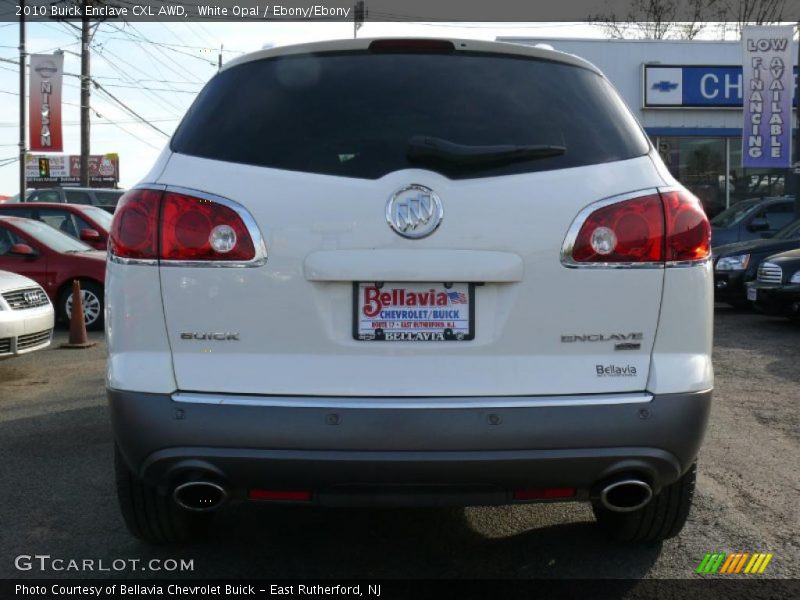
(130, 133)
(128, 108)
(126, 77)
(138, 87)
(174, 47)
(28, 96)
(158, 49)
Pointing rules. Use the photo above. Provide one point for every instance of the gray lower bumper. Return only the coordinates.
(475, 453)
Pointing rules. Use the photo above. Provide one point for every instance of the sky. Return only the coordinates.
(173, 61)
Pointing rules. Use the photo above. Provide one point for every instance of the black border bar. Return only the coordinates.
(392, 10)
(730, 588)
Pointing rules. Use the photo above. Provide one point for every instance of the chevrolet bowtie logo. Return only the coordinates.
(664, 86)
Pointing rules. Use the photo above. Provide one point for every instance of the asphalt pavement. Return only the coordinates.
(58, 494)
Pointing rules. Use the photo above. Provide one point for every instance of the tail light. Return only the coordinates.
(688, 229)
(171, 226)
(198, 229)
(134, 230)
(650, 229)
(411, 45)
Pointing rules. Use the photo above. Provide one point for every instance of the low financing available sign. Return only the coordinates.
(768, 86)
(45, 102)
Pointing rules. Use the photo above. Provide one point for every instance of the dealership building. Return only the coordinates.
(688, 97)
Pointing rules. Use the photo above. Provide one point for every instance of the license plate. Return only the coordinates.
(752, 293)
(413, 312)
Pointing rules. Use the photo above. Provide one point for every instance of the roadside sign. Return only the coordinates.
(44, 171)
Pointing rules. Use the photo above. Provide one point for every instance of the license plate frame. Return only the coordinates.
(752, 294)
(439, 334)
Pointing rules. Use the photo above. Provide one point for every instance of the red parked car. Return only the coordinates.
(89, 224)
(53, 260)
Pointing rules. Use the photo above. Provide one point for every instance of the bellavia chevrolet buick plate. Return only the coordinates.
(408, 272)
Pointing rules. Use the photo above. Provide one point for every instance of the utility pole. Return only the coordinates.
(219, 59)
(359, 12)
(85, 96)
(22, 182)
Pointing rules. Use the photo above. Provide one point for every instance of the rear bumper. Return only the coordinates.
(729, 286)
(471, 454)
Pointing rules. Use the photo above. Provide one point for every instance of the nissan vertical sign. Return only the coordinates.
(45, 102)
(768, 86)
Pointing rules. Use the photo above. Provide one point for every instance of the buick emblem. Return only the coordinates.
(414, 211)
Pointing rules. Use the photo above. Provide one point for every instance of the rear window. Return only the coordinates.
(107, 198)
(99, 216)
(44, 196)
(352, 114)
(51, 238)
(735, 213)
(78, 197)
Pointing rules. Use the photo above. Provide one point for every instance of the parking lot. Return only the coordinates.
(59, 500)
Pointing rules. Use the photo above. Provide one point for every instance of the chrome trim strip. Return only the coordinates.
(152, 262)
(260, 246)
(682, 264)
(577, 223)
(412, 402)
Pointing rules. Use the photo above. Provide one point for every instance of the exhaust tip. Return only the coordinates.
(626, 495)
(199, 496)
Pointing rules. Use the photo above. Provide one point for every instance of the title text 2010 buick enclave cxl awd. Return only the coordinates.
(408, 272)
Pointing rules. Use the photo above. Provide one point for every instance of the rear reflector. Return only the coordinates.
(654, 228)
(544, 494)
(411, 45)
(152, 224)
(280, 495)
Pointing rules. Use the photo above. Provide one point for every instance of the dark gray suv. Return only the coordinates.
(104, 198)
(752, 219)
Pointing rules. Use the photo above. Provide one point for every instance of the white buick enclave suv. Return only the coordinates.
(407, 272)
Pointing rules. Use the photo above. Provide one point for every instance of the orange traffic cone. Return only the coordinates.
(77, 326)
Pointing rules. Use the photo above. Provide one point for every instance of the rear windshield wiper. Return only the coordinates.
(423, 148)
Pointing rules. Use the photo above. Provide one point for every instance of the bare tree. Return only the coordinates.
(659, 19)
(739, 13)
(685, 19)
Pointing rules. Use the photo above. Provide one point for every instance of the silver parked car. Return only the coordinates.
(26, 316)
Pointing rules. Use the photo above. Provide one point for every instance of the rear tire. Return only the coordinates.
(153, 517)
(662, 518)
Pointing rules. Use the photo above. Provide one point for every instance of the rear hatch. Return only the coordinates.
(314, 145)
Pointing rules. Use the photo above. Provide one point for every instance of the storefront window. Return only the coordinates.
(699, 164)
(753, 183)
